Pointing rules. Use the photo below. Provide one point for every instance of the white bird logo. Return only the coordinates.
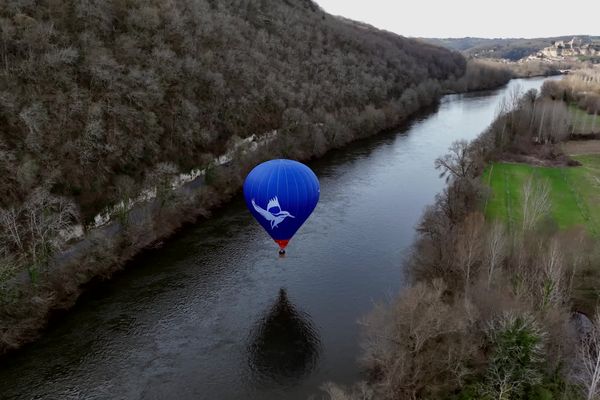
(274, 217)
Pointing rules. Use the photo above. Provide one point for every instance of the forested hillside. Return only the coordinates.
(96, 93)
(105, 102)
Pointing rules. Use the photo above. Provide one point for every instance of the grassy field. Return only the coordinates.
(584, 122)
(575, 192)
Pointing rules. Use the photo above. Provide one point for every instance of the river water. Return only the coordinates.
(216, 314)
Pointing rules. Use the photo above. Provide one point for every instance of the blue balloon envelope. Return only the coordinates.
(281, 195)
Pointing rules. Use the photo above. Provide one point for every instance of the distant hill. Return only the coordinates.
(511, 48)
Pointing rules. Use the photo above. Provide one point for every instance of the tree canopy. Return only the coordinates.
(95, 90)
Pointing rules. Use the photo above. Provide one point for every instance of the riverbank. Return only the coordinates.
(185, 315)
(497, 271)
(32, 298)
(129, 106)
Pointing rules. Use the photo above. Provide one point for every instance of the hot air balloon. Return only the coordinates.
(281, 195)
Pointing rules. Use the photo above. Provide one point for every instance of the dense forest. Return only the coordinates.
(103, 102)
(94, 91)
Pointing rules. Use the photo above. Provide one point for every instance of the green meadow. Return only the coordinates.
(574, 192)
(582, 121)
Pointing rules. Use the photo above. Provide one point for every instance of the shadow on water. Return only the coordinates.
(284, 346)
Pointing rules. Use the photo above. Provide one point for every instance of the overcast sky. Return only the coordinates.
(482, 18)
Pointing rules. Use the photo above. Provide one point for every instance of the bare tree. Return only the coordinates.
(495, 248)
(559, 129)
(419, 344)
(45, 216)
(577, 252)
(536, 202)
(11, 229)
(161, 178)
(458, 163)
(554, 283)
(587, 368)
(468, 246)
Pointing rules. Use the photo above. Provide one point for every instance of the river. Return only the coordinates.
(216, 314)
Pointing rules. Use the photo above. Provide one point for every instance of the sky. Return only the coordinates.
(483, 18)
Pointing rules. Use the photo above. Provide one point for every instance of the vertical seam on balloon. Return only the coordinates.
(307, 182)
(268, 186)
(277, 185)
(261, 180)
(307, 173)
(303, 175)
(317, 186)
(287, 186)
(253, 182)
(297, 196)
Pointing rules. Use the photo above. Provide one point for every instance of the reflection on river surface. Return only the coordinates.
(284, 345)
